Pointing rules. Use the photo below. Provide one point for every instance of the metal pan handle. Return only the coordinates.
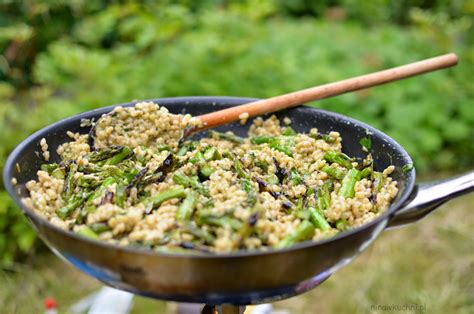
(428, 196)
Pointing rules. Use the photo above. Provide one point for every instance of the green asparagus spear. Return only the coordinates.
(101, 189)
(295, 177)
(197, 158)
(111, 171)
(90, 168)
(65, 211)
(123, 154)
(324, 137)
(99, 227)
(156, 200)
(262, 139)
(378, 179)
(318, 220)
(199, 233)
(186, 147)
(366, 143)
(212, 153)
(248, 227)
(240, 169)
(341, 225)
(87, 232)
(182, 179)
(186, 208)
(59, 173)
(104, 153)
(120, 195)
(272, 179)
(69, 184)
(339, 158)
(288, 131)
(262, 165)
(366, 172)
(205, 170)
(300, 211)
(222, 221)
(54, 170)
(227, 136)
(304, 231)
(303, 214)
(349, 182)
(251, 193)
(324, 196)
(335, 173)
(281, 148)
(49, 168)
(88, 181)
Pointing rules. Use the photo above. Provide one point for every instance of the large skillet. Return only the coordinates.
(235, 278)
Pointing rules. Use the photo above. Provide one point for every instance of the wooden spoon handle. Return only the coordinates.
(293, 99)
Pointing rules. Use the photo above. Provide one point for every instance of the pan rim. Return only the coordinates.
(9, 167)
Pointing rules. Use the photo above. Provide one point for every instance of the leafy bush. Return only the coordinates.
(431, 116)
(88, 55)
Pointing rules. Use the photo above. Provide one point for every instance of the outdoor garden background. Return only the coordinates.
(58, 58)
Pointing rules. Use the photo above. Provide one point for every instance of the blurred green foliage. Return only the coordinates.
(62, 57)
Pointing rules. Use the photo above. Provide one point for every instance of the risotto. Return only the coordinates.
(134, 181)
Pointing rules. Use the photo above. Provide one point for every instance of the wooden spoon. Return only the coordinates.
(297, 98)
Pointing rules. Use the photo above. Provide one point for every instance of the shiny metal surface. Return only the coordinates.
(237, 278)
(429, 196)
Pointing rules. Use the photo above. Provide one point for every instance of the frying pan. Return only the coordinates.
(240, 278)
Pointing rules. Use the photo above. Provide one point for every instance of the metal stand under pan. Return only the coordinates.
(238, 305)
(219, 303)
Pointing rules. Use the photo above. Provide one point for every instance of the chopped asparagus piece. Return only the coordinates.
(99, 227)
(281, 148)
(104, 153)
(69, 184)
(325, 137)
(186, 147)
(341, 225)
(366, 172)
(155, 201)
(324, 196)
(288, 131)
(339, 158)
(378, 180)
(186, 208)
(182, 179)
(123, 154)
(304, 231)
(348, 183)
(220, 221)
(318, 219)
(65, 211)
(335, 173)
(197, 158)
(206, 170)
(87, 232)
(212, 154)
(227, 136)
